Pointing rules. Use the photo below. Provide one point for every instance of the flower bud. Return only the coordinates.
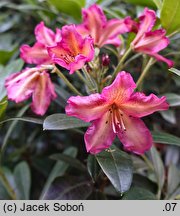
(105, 60)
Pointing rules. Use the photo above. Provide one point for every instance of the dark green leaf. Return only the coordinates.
(69, 160)
(70, 7)
(169, 115)
(165, 138)
(158, 167)
(93, 167)
(170, 16)
(59, 169)
(173, 179)
(62, 122)
(117, 166)
(22, 177)
(173, 99)
(69, 188)
(12, 126)
(138, 193)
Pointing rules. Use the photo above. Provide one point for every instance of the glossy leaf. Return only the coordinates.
(173, 179)
(93, 167)
(22, 177)
(139, 193)
(173, 99)
(170, 16)
(117, 166)
(70, 7)
(59, 169)
(158, 167)
(169, 115)
(158, 3)
(165, 138)
(62, 122)
(69, 188)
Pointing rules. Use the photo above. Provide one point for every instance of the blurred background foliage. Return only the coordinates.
(37, 164)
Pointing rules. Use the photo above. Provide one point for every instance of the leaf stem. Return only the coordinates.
(70, 86)
(145, 72)
(7, 185)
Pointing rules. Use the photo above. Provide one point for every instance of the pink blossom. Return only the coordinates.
(33, 82)
(73, 51)
(148, 41)
(37, 54)
(103, 31)
(116, 111)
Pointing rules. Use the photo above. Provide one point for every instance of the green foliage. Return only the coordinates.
(170, 16)
(70, 7)
(22, 178)
(138, 193)
(117, 165)
(39, 162)
(62, 122)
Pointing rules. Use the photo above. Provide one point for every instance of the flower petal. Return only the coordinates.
(152, 42)
(137, 138)
(120, 90)
(94, 20)
(73, 51)
(163, 59)
(99, 135)
(35, 55)
(112, 30)
(44, 35)
(141, 105)
(43, 94)
(147, 21)
(20, 86)
(86, 108)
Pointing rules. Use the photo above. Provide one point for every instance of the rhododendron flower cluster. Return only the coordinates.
(112, 105)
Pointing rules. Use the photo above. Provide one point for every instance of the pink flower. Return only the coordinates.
(33, 82)
(37, 54)
(103, 31)
(148, 41)
(73, 51)
(116, 111)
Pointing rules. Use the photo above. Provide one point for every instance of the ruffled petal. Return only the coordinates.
(112, 30)
(137, 138)
(44, 35)
(141, 105)
(152, 42)
(43, 94)
(35, 55)
(99, 135)
(20, 86)
(120, 90)
(94, 20)
(73, 51)
(87, 108)
(147, 21)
